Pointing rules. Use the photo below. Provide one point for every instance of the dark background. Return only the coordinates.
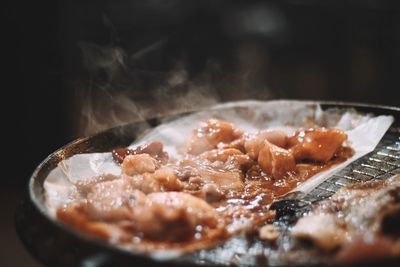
(65, 58)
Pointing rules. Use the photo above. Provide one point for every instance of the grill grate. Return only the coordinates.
(382, 163)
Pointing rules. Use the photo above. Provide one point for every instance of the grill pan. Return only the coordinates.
(55, 244)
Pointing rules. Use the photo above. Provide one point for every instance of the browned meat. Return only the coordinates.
(229, 155)
(139, 164)
(254, 143)
(276, 161)
(175, 216)
(170, 216)
(226, 181)
(323, 229)
(76, 217)
(154, 149)
(84, 187)
(316, 144)
(147, 175)
(167, 179)
(110, 200)
(225, 177)
(360, 216)
(163, 179)
(236, 144)
(369, 250)
(210, 134)
(268, 232)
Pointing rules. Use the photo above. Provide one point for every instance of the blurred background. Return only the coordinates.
(77, 67)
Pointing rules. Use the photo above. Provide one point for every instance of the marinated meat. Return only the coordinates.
(138, 164)
(254, 143)
(268, 232)
(169, 216)
(223, 185)
(226, 177)
(110, 200)
(360, 216)
(276, 161)
(177, 216)
(316, 144)
(154, 149)
(163, 179)
(323, 229)
(210, 134)
(85, 186)
(229, 156)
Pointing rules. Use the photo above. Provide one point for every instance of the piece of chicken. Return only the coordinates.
(316, 144)
(210, 134)
(146, 175)
(222, 178)
(229, 155)
(139, 164)
(174, 216)
(155, 149)
(323, 229)
(276, 161)
(255, 142)
(111, 200)
(166, 216)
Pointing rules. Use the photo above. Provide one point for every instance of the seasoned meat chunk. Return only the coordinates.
(255, 142)
(84, 187)
(174, 216)
(211, 193)
(210, 134)
(355, 218)
(169, 216)
(139, 164)
(163, 179)
(316, 144)
(323, 229)
(225, 176)
(232, 155)
(167, 179)
(276, 161)
(154, 149)
(236, 144)
(111, 200)
(268, 232)
(226, 181)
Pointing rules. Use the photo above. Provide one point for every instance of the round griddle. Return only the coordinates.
(55, 244)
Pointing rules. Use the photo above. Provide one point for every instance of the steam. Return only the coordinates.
(117, 87)
(115, 94)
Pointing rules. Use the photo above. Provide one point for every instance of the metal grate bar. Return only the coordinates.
(342, 181)
(382, 163)
(393, 147)
(387, 160)
(390, 153)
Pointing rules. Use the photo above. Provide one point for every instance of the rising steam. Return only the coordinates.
(114, 94)
(118, 87)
